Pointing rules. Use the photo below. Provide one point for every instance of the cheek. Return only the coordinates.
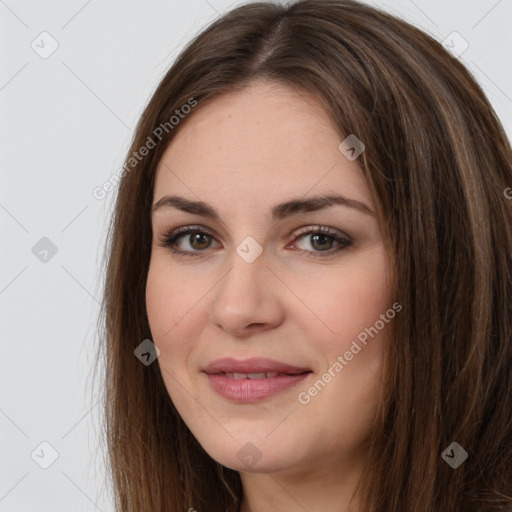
(172, 304)
(350, 299)
(350, 306)
(175, 321)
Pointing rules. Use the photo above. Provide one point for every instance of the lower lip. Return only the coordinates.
(252, 390)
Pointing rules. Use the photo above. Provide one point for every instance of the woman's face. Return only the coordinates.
(253, 285)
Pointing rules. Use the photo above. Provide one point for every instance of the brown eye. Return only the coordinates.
(197, 239)
(324, 241)
(201, 239)
(194, 241)
(322, 238)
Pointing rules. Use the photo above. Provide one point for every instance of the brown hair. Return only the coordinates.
(437, 161)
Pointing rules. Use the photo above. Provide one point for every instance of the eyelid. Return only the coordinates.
(171, 235)
(323, 229)
(302, 231)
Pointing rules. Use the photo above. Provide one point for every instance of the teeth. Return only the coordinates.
(261, 375)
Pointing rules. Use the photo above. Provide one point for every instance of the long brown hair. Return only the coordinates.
(438, 163)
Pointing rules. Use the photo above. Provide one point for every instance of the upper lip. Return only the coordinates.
(252, 365)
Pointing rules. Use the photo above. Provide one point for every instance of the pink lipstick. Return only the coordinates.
(251, 380)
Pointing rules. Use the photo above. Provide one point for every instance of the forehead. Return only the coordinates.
(262, 143)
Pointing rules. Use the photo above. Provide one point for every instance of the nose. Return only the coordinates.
(247, 299)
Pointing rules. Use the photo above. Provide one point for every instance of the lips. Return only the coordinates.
(254, 368)
(252, 380)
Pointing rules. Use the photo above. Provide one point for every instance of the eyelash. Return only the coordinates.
(169, 238)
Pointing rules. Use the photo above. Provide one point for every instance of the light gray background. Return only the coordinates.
(66, 122)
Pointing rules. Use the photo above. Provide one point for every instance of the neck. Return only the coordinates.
(316, 489)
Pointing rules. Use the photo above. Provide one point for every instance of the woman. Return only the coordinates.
(308, 293)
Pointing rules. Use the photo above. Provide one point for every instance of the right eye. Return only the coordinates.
(198, 239)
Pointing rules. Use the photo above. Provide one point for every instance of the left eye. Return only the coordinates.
(321, 238)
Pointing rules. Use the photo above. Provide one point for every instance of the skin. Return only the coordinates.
(242, 153)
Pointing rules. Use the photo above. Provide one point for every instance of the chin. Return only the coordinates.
(251, 456)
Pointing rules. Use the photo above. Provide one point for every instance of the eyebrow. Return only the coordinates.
(278, 211)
